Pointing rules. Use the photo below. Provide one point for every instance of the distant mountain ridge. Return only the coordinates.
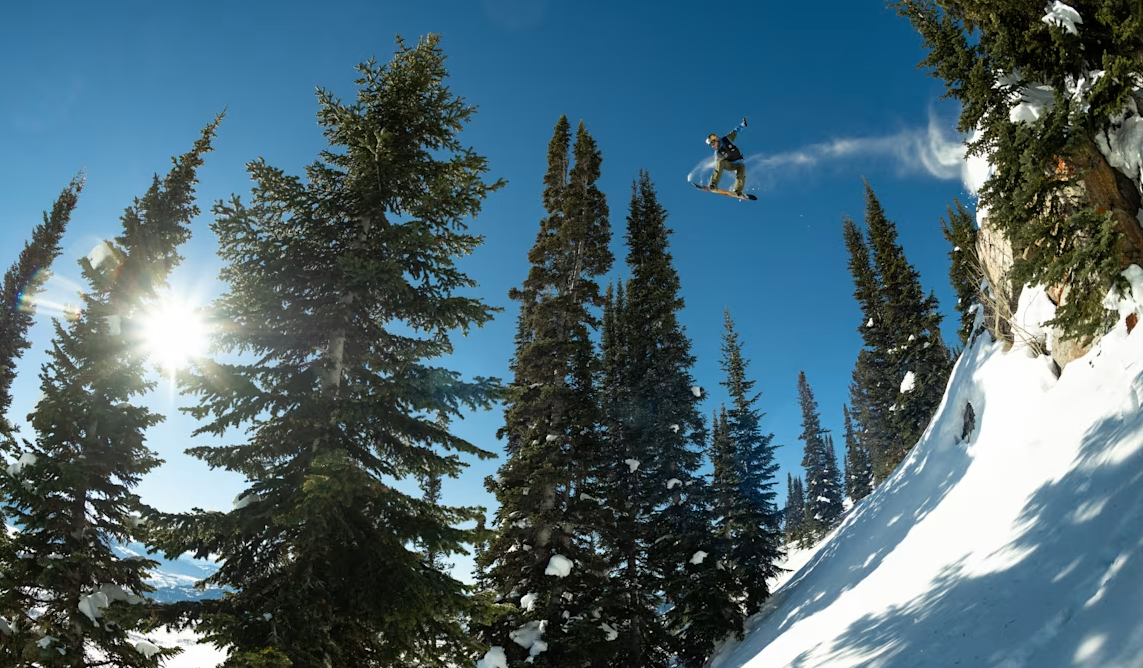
(174, 580)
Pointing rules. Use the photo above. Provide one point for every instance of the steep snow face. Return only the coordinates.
(1017, 547)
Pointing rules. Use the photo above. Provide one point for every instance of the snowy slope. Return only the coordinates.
(174, 579)
(1021, 547)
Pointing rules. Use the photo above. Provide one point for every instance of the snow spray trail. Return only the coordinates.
(932, 150)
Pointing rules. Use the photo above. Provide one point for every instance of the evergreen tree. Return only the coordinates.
(1069, 215)
(23, 281)
(964, 269)
(858, 464)
(342, 289)
(74, 601)
(725, 479)
(430, 484)
(869, 393)
(795, 512)
(823, 486)
(757, 521)
(542, 562)
(665, 541)
(917, 358)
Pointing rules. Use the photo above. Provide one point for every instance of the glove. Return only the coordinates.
(744, 122)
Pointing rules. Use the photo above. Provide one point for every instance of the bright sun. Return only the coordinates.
(173, 334)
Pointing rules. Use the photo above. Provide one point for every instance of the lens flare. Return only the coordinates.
(174, 334)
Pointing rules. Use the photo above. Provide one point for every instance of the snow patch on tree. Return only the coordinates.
(241, 501)
(530, 637)
(612, 634)
(696, 390)
(673, 482)
(633, 463)
(16, 468)
(146, 648)
(1062, 16)
(698, 557)
(908, 382)
(92, 604)
(99, 254)
(528, 601)
(558, 565)
(493, 658)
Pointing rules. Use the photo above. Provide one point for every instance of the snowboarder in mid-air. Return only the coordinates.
(727, 156)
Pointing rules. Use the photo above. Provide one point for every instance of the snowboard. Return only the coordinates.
(724, 192)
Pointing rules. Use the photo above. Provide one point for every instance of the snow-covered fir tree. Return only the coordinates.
(342, 289)
(1051, 94)
(823, 501)
(755, 519)
(918, 360)
(858, 464)
(68, 598)
(542, 564)
(664, 542)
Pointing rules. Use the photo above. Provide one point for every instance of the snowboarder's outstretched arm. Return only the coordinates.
(734, 133)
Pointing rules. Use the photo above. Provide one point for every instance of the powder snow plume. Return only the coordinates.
(935, 150)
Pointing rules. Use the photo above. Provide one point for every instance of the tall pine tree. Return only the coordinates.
(965, 272)
(858, 464)
(869, 394)
(342, 289)
(823, 490)
(664, 541)
(756, 519)
(918, 360)
(74, 601)
(542, 562)
(24, 280)
(795, 511)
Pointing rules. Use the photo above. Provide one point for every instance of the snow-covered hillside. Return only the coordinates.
(1021, 545)
(174, 580)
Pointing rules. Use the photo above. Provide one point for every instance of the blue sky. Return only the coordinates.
(831, 91)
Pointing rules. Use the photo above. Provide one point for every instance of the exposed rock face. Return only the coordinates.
(995, 253)
(1092, 181)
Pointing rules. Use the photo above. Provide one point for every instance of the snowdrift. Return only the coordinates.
(1019, 545)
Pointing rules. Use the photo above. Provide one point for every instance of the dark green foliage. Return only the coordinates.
(342, 287)
(665, 510)
(823, 491)
(24, 280)
(912, 331)
(965, 272)
(872, 372)
(858, 463)
(986, 51)
(755, 520)
(795, 511)
(548, 487)
(902, 337)
(71, 492)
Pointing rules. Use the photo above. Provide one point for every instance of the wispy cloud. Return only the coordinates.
(936, 150)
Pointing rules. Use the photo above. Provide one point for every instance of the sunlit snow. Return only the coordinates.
(1063, 16)
(1018, 547)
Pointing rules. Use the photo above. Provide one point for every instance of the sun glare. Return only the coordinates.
(174, 334)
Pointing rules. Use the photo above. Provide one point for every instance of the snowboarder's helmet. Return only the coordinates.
(711, 139)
